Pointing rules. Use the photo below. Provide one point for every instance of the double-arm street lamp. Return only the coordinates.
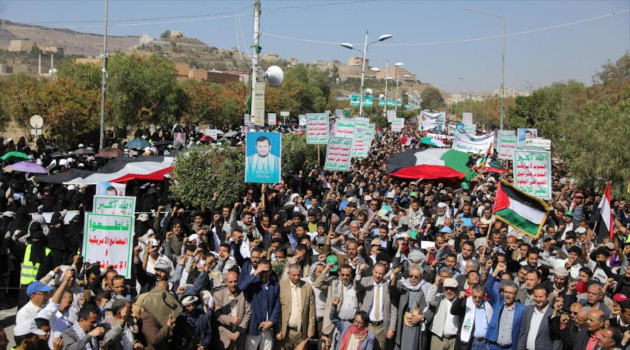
(364, 52)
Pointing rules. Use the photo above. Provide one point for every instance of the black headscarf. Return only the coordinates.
(38, 243)
(20, 222)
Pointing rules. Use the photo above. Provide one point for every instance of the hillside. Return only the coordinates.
(74, 43)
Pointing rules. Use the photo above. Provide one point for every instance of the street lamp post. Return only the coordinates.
(502, 59)
(398, 65)
(364, 52)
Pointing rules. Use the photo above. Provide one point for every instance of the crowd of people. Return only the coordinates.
(344, 261)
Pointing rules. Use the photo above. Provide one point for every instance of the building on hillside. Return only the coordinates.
(243, 77)
(21, 45)
(183, 69)
(293, 61)
(216, 76)
(358, 61)
(144, 39)
(270, 57)
(396, 72)
(177, 34)
(198, 74)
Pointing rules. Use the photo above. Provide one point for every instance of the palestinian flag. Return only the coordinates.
(432, 142)
(604, 224)
(432, 163)
(494, 166)
(516, 208)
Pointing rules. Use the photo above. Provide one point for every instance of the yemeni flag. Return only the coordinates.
(604, 224)
(516, 208)
(432, 163)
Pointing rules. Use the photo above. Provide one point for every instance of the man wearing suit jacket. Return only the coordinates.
(262, 291)
(499, 335)
(376, 302)
(232, 314)
(297, 313)
(534, 332)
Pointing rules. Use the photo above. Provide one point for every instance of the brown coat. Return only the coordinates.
(308, 308)
(157, 338)
(222, 316)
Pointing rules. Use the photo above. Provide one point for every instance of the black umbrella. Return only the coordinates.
(83, 151)
(163, 142)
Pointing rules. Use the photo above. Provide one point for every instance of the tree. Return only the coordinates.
(297, 155)
(166, 34)
(144, 89)
(431, 98)
(204, 101)
(200, 172)
(86, 75)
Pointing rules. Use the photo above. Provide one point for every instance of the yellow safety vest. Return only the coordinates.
(29, 271)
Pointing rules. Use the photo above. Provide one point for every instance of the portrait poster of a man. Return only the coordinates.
(263, 154)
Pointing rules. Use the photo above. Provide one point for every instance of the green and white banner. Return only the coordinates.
(532, 172)
(114, 205)
(108, 240)
(317, 128)
(338, 154)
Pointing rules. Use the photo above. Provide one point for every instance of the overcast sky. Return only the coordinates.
(432, 38)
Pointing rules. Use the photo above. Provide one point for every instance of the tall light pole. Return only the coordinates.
(502, 59)
(103, 81)
(386, 78)
(364, 52)
(398, 65)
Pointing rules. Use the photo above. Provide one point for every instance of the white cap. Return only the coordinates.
(27, 327)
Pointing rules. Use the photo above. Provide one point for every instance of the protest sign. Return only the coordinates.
(338, 154)
(431, 120)
(316, 129)
(263, 157)
(506, 144)
(344, 127)
(360, 143)
(108, 239)
(398, 124)
(114, 205)
(338, 112)
(466, 142)
(110, 189)
(391, 115)
(302, 120)
(467, 118)
(524, 134)
(214, 133)
(247, 121)
(271, 119)
(532, 172)
(470, 128)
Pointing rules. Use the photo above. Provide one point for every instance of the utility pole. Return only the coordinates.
(258, 87)
(363, 74)
(103, 80)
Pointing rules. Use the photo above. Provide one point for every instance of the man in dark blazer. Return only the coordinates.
(376, 301)
(534, 332)
(263, 293)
